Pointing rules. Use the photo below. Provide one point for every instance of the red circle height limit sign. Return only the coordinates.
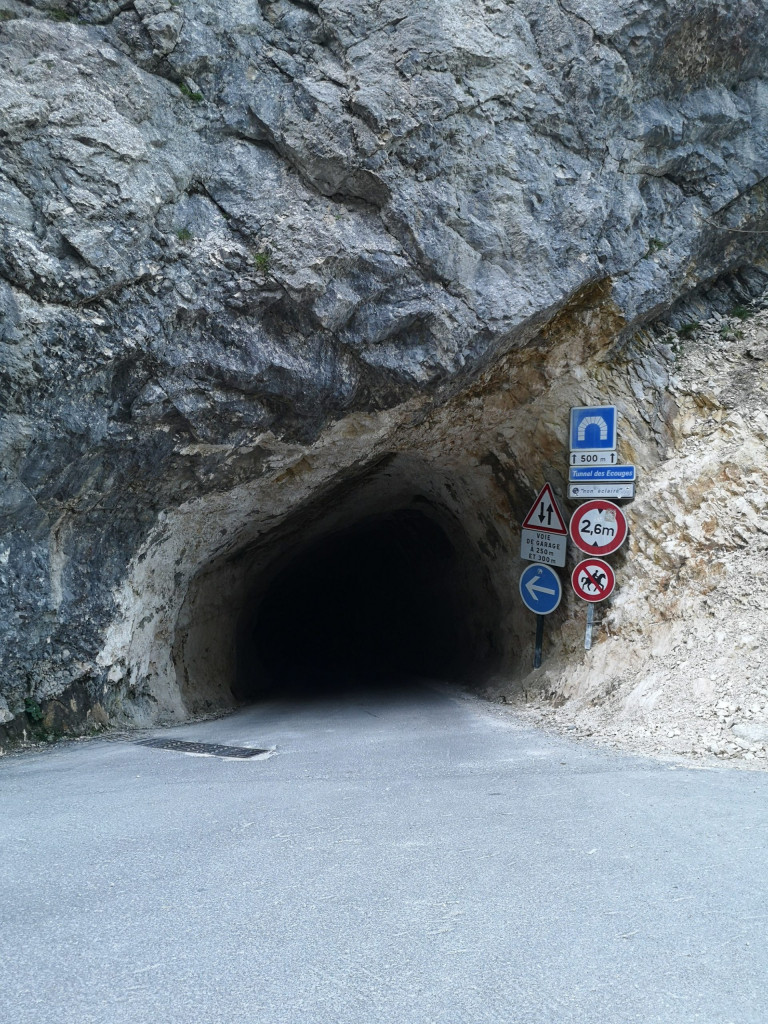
(593, 580)
(598, 527)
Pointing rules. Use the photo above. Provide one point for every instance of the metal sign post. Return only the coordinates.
(590, 623)
(539, 640)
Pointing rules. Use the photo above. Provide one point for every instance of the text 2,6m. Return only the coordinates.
(598, 530)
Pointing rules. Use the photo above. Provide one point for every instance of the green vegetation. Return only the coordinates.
(33, 709)
(262, 260)
(184, 235)
(741, 312)
(186, 91)
(655, 245)
(7, 15)
(730, 333)
(687, 330)
(59, 14)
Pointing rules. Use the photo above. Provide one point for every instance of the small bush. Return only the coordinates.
(261, 260)
(741, 312)
(59, 14)
(33, 709)
(655, 245)
(731, 333)
(186, 91)
(688, 329)
(184, 235)
(7, 15)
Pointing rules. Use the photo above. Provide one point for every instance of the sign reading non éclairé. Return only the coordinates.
(601, 490)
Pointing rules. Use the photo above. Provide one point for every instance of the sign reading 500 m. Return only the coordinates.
(598, 527)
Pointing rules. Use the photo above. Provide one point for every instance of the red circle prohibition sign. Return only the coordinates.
(593, 580)
(598, 527)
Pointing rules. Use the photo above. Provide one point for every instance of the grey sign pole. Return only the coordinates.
(539, 638)
(590, 624)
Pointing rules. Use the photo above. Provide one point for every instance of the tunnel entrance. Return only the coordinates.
(387, 599)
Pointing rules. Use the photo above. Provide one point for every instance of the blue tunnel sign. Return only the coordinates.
(593, 428)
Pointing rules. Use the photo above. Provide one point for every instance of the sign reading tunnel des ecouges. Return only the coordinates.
(593, 435)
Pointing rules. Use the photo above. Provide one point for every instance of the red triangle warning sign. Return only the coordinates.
(545, 515)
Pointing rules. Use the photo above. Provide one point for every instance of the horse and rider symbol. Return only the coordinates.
(594, 581)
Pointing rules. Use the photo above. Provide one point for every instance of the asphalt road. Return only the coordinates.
(400, 860)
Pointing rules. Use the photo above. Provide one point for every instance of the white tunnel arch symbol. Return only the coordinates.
(593, 421)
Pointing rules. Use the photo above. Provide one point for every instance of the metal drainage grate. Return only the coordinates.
(211, 749)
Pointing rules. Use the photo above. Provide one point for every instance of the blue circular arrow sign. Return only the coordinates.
(540, 589)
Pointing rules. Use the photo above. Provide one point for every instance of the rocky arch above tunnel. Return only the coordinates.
(471, 463)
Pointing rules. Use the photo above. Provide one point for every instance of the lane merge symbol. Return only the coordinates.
(540, 589)
(593, 580)
(598, 527)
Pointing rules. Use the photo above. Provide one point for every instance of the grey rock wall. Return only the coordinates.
(228, 227)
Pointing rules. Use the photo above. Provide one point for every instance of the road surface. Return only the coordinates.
(403, 859)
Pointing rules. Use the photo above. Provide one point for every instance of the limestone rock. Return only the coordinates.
(6, 715)
(753, 732)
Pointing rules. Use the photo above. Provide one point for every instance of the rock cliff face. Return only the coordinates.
(269, 270)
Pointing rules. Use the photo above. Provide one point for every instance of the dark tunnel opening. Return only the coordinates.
(381, 602)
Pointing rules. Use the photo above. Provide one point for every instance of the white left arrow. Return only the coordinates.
(533, 590)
